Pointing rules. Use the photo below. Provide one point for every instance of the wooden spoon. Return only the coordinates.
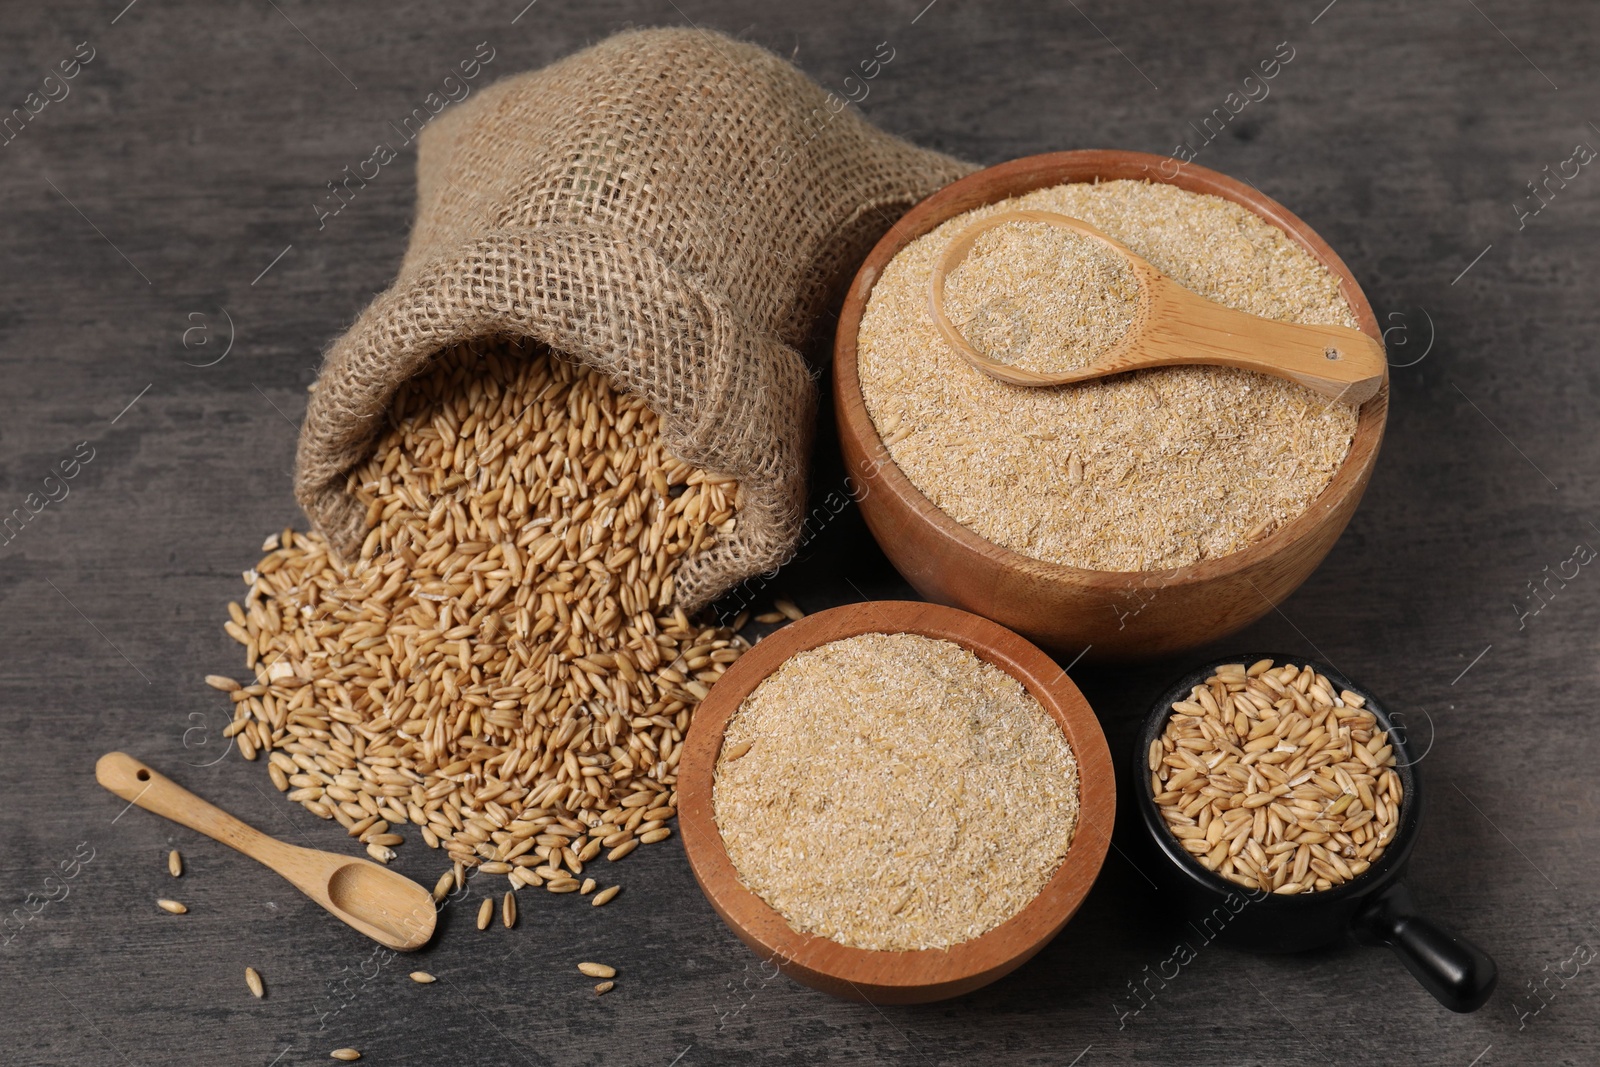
(1175, 327)
(383, 904)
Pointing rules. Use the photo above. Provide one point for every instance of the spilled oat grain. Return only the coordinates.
(503, 667)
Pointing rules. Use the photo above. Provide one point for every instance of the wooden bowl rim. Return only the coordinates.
(1018, 177)
(991, 954)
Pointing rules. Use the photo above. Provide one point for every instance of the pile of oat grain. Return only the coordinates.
(1144, 471)
(503, 666)
(894, 792)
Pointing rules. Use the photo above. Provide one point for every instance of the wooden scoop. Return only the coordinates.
(383, 904)
(1175, 327)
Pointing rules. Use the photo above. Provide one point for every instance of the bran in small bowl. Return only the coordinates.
(895, 792)
(998, 770)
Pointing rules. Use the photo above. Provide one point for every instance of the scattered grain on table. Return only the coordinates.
(789, 609)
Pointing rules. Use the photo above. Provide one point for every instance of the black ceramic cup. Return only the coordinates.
(1374, 908)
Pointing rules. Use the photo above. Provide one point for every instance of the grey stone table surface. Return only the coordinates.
(163, 202)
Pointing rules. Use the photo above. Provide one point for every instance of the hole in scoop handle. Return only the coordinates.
(1184, 327)
(1459, 974)
(138, 784)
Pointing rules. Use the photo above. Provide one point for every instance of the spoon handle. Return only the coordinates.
(1184, 327)
(138, 784)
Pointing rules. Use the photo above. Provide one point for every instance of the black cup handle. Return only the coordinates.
(1459, 974)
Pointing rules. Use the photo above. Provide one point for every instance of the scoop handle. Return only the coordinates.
(138, 784)
(1184, 327)
(1459, 974)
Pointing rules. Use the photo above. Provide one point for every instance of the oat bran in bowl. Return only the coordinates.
(1135, 516)
(895, 801)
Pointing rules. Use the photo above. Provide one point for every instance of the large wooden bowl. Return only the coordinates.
(914, 976)
(1117, 615)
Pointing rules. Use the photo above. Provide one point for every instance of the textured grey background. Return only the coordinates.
(189, 154)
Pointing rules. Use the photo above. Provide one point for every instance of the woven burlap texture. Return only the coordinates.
(671, 207)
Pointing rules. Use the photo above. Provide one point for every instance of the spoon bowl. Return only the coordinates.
(384, 905)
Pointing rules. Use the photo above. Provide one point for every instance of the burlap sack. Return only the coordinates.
(671, 207)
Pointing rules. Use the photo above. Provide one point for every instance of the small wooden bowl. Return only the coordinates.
(1119, 615)
(914, 976)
